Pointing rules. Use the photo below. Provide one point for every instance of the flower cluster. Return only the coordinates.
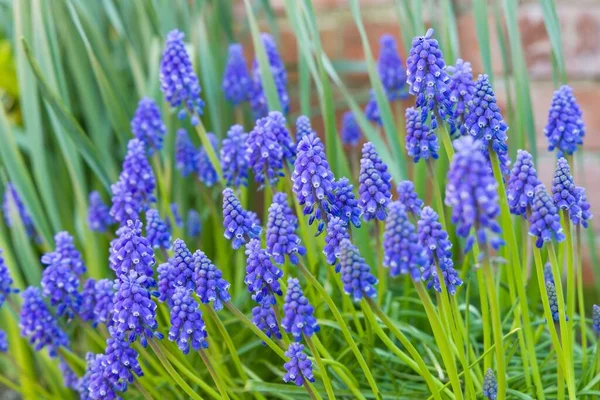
(6, 282)
(276, 124)
(372, 109)
(3, 341)
(403, 254)
(262, 277)
(185, 153)
(565, 194)
(61, 286)
(147, 125)
(187, 326)
(206, 171)
(356, 274)
(298, 318)
(97, 301)
(132, 251)
(176, 215)
(337, 231)
(544, 220)
(210, 285)
(346, 206)
(421, 141)
(303, 127)
(462, 90)
(373, 191)
(65, 253)
(350, 132)
(13, 207)
(490, 385)
(263, 316)
(99, 218)
(565, 128)
(409, 198)
(299, 368)
(553, 301)
(182, 262)
(391, 69)
(596, 319)
(522, 183)
(239, 226)
(282, 239)
(236, 82)
(233, 157)
(194, 224)
(157, 230)
(586, 214)
(264, 154)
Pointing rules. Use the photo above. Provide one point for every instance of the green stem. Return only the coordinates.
(143, 391)
(571, 274)
(313, 395)
(192, 376)
(446, 140)
(381, 270)
(228, 342)
(580, 300)
(437, 194)
(319, 361)
(213, 374)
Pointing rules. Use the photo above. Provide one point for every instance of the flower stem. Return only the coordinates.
(571, 274)
(319, 361)
(143, 391)
(228, 342)
(437, 194)
(580, 300)
(381, 270)
(213, 374)
(313, 395)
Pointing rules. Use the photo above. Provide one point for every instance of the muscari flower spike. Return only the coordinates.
(313, 181)
(206, 171)
(187, 326)
(369, 152)
(471, 193)
(264, 154)
(147, 125)
(210, 285)
(157, 230)
(65, 253)
(372, 109)
(176, 215)
(185, 153)
(61, 285)
(565, 128)
(233, 157)
(132, 251)
(236, 82)
(97, 301)
(565, 194)
(263, 316)
(299, 368)
(38, 325)
(194, 224)
(373, 191)
(438, 249)
(586, 214)
(421, 141)
(490, 385)
(281, 238)
(298, 318)
(3, 341)
(99, 218)
(462, 89)
(6, 282)
(356, 274)
(276, 124)
(303, 127)
(346, 205)
(522, 183)
(409, 198)
(428, 79)
(239, 227)
(337, 231)
(12, 202)
(403, 254)
(596, 319)
(178, 81)
(544, 222)
(350, 132)
(262, 276)
(391, 69)
(134, 313)
(183, 264)
(551, 292)
(95, 383)
(548, 277)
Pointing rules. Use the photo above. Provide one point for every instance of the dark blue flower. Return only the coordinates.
(281, 238)
(596, 319)
(38, 325)
(369, 152)
(103, 301)
(403, 254)
(298, 318)
(147, 125)
(490, 386)
(337, 231)
(565, 128)
(88, 300)
(391, 69)
(350, 132)
(166, 288)
(262, 276)
(183, 264)
(98, 213)
(544, 222)
(553, 301)
(263, 316)
(61, 285)
(303, 128)
(356, 274)
(522, 183)
(264, 154)
(409, 198)
(210, 285)
(586, 214)
(239, 227)
(276, 124)
(13, 207)
(6, 281)
(65, 253)
(565, 194)
(462, 89)
(313, 181)
(236, 82)
(157, 230)
(233, 157)
(373, 191)
(346, 206)
(3, 342)
(194, 224)
(185, 153)
(187, 326)
(372, 109)
(421, 141)
(95, 383)
(178, 81)
(299, 368)
(176, 215)
(132, 251)
(206, 171)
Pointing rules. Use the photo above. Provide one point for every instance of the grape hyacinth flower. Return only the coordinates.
(176, 215)
(185, 153)
(350, 132)
(490, 385)
(438, 251)
(281, 238)
(471, 193)
(239, 227)
(13, 206)
(118, 367)
(298, 318)
(564, 192)
(373, 191)
(369, 152)
(253, 218)
(38, 325)
(303, 128)
(187, 326)
(548, 277)
(134, 312)
(553, 302)
(372, 109)
(236, 82)
(70, 379)
(157, 230)
(210, 285)
(356, 274)
(263, 316)
(86, 311)
(421, 141)
(391, 69)
(276, 124)
(194, 224)
(147, 125)
(337, 231)
(165, 284)
(596, 319)
(281, 199)
(264, 154)
(462, 90)
(103, 301)
(299, 368)
(182, 261)
(522, 183)
(61, 285)
(65, 253)
(586, 214)
(95, 382)
(403, 254)
(99, 218)
(233, 157)
(262, 277)
(6, 282)
(565, 128)
(428, 79)
(206, 171)
(132, 252)
(313, 181)
(544, 220)
(346, 205)
(3, 341)
(178, 81)
(409, 198)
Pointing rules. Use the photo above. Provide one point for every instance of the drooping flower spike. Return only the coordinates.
(462, 89)
(350, 132)
(544, 222)
(403, 254)
(157, 230)
(187, 326)
(6, 281)
(565, 128)
(132, 251)
(391, 69)
(147, 125)
(61, 286)
(178, 81)
(299, 368)
(303, 127)
(421, 141)
(346, 205)
(264, 154)
(210, 285)
(565, 194)
(239, 227)
(298, 318)
(206, 171)
(236, 84)
(263, 316)
(490, 385)
(409, 198)
(281, 238)
(337, 231)
(99, 218)
(233, 157)
(262, 276)
(356, 274)
(185, 153)
(522, 183)
(13, 207)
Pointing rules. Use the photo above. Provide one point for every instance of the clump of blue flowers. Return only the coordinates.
(233, 157)
(282, 239)
(258, 99)
(185, 153)
(356, 274)
(421, 141)
(409, 198)
(522, 183)
(346, 205)
(157, 230)
(264, 154)
(490, 385)
(391, 69)
(544, 222)
(403, 254)
(132, 252)
(298, 316)
(262, 276)
(303, 127)
(147, 125)
(99, 218)
(65, 253)
(299, 368)
(263, 316)
(462, 90)
(236, 82)
(565, 128)
(337, 231)
(13, 206)
(6, 281)
(187, 326)
(373, 191)
(210, 285)
(350, 132)
(239, 226)
(206, 171)
(565, 194)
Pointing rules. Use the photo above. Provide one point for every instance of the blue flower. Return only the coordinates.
(233, 157)
(490, 386)
(421, 141)
(132, 251)
(565, 128)
(187, 326)
(65, 253)
(95, 383)
(6, 281)
(176, 216)
(462, 90)
(298, 318)
(346, 206)
(103, 301)
(210, 285)
(276, 124)
(350, 132)
(409, 198)
(586, 214)
(263, 316)
(158, 232)
(98, 213)
(262, 277)
(236, 82)
(373, 191)
(165, 284)
(3, 342)
(185, 153)
(391, 69)
(548, 277)
(264, 154)
(299, 368)
(13, 206)
(239, 227)
(147, 125)
(206, 171)
(61, 285)
(544, 222)
(403, 254)
(38, 325)
(369, 152)
(596, 319)
(282, 239)
(70, 379)
(337, 231)
(313, 181)
(303, 128)
(178, 81)
(356, 274)
(194, 224)
(372, 109)
(553, 302)
(565, 194)
(521, 184)
(183, 264)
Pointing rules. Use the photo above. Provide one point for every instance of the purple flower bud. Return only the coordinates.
(281, 236)
(551, 292)
(61, 285)
(6, 281)
(233, 157)
(147, 125)
(403, 254)
(194, 224)
(95, 383)
(13, 206)
(586, 214)
(356, 274)
(98, 213)
(565, 128)
(3, 342)
(236, 83)
(462, 90)
(132, 252)
(239, 227)
(544, 222)
(299, 368)
(350, 132)
(65, 253)
(182, 261)
(262, 277)
(206, 171)
(409, 198)
(337, 231)
(176, 215)
(565, 194)
(522, 183)
(210, 285)
(373, 191)
(298, 316)
(596, 319)
(185, 153)
(264, 154)
(303, 128)
(372, 109)
(187, 326)
(391, 69)
(421, 142)
(263, 316)
(158, 232)
(178, 81)
(548, 277)
(490, 386)
(276, 124)
(346, 206)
